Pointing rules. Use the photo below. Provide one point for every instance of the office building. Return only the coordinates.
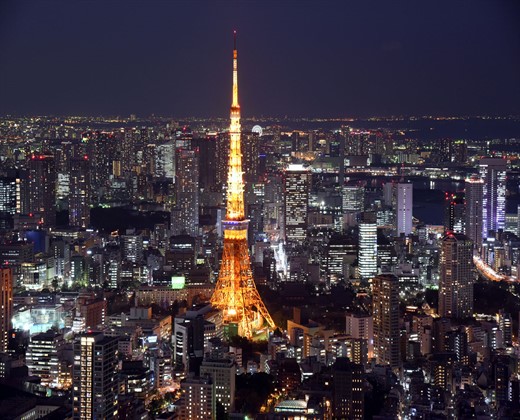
(353, 198)
(385, 312)
(456, 277)
(6, 306)
(404, 209)
(493, 172)
(95, 384)
(165, 160)
(297, 182)
(198, 402)
(132, 246)
(43, 357)
(474, 210)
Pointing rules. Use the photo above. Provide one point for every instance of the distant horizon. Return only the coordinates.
(273, 117)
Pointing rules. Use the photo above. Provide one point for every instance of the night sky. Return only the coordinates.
(296, 58)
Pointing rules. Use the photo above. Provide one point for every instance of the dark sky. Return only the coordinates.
(299, 57)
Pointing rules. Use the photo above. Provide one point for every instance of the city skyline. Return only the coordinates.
(326, 59)
(309, 267)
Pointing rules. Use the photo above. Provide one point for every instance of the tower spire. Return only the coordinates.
(235, 193)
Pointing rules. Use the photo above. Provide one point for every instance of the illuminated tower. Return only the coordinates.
(235, 292)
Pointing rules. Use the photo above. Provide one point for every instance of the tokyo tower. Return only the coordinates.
(235, 292)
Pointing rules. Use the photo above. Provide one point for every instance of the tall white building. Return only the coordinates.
(404, 209)
(367, 250)
(493, 172)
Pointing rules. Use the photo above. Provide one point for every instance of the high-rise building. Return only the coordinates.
(43, 357)
(348, 389)
(297, 185)
(95, 384)
(222, 373)
(235, 292)
(250, 156)
(79, 195)
(456, 277)
(6, 306)
(185, 217)
(493, 172)
(474, 212)
(367, 250)
(41, 188)
(9, 200)
(404, 208)
(165, 160)
(385, 313)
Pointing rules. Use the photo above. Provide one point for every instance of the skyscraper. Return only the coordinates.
(41, 188)
(493, 172)
(79, 195)
(297, 184)
(367, 250)
(404, 208)
(474, 202)
(6, 306)
(185, 217)
(235, 292)
(95, 385)
(456, 279)
(385, 311)
(9, 200)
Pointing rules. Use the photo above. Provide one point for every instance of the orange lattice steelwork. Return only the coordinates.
(235, 292)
